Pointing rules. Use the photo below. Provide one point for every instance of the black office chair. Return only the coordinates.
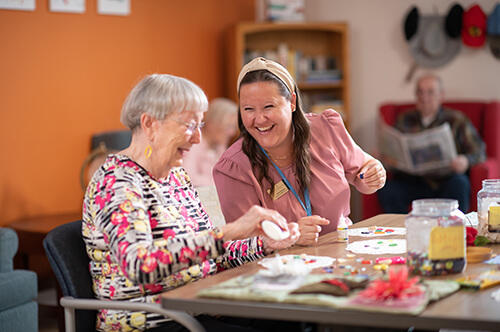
(68, 258)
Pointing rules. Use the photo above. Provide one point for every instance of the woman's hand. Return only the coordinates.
(309, 228)
(371, 177)
(270, 244)
(248, 225)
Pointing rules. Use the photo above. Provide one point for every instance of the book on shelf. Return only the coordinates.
(304, 69)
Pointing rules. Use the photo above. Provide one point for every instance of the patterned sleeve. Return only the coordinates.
(240, 252)
(469, 143)
(126, 225)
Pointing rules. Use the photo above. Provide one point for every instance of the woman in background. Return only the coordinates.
(219, 129)
(298, 164)
(145, 229)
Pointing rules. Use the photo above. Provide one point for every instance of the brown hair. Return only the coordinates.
(301, 130)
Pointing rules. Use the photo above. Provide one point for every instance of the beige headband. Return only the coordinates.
(271, 66)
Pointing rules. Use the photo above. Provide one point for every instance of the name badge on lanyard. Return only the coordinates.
(307, 205)
(280, 189)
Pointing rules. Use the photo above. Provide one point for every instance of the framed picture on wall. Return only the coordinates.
(67, 6)
(18, 4)
(113, 7)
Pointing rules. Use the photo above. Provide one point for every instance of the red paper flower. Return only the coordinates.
(397, 286)
(471, 236)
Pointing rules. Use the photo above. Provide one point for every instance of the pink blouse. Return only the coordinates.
(334, 155)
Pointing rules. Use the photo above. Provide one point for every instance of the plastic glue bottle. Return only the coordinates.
(342, 231)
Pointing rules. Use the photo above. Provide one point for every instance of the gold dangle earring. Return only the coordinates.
(147, 151)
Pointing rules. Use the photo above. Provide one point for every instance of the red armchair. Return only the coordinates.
(485, 116)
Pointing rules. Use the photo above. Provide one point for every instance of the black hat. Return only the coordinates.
(434, 40)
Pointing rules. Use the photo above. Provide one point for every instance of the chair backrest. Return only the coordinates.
(114, 140)
(473, 110)
(67, 255)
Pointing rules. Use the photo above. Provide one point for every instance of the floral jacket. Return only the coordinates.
(145, 236)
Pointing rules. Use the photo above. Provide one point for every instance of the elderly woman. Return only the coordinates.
(219, 129)
(298, 164)
(145, 229)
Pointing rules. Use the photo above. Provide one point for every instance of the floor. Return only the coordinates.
(47, 320)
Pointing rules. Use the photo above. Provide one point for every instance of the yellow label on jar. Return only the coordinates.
(447, 243)
(494, 215)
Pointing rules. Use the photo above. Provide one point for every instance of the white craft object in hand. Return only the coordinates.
(274, 231)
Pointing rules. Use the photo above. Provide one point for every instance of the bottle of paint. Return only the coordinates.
(342, 231)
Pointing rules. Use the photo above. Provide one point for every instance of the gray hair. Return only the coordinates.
(160, 95)
(219, 108)
(431, 75)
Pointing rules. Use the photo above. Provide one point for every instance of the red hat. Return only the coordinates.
(474, 27)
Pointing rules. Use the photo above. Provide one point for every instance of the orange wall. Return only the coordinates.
(64, 77)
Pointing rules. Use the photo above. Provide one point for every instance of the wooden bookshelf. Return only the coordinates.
(317, 57)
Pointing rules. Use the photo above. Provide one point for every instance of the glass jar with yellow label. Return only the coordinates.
(435, 237)
(488, 210)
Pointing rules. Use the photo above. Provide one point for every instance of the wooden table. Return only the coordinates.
(31, 232)
(461, 310)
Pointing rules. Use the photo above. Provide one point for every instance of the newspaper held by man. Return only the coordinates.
(429, 151)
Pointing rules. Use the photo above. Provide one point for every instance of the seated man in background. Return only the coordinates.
(403, 188)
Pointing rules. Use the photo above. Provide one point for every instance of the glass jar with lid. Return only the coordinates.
(435, 237)
(488, 210)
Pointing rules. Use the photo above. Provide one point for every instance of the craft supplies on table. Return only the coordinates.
(374, 231)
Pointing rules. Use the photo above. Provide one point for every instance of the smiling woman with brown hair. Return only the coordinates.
(296, 163)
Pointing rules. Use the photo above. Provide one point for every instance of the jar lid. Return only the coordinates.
(434, 206)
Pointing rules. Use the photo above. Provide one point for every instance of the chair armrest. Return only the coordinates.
(9, 243)
(70, 304)
(479, 172)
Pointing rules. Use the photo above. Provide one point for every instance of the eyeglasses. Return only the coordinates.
(431, 93)
(191, 126)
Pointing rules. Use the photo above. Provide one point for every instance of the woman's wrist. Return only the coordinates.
(229, 232)
(265, 246)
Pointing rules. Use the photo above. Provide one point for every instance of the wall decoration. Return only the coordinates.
(493, 29)
(113, 7)
(18, 4)
(67, 6)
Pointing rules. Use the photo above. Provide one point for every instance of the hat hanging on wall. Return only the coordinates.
(433, 40)
(493, 29)
(474, 27)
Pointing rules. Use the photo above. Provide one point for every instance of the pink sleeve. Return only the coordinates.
(236, 186)
(349, 153)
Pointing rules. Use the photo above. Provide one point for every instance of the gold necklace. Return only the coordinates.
(276, 158)
(279, 157)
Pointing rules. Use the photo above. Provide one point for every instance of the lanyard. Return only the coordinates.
(306, 207)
